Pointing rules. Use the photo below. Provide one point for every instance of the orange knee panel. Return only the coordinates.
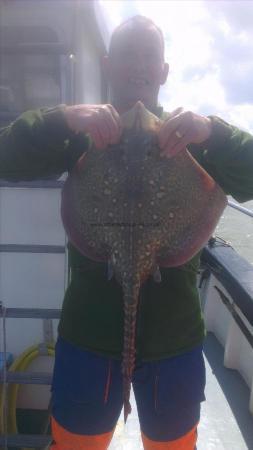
(186, 442)
(65, 440)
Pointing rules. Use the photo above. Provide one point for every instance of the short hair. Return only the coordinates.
(137, 21)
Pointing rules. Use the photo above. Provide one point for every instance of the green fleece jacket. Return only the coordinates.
(39, 145)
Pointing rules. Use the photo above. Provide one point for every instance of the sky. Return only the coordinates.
(209, 47)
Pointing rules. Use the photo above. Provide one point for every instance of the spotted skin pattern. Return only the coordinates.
(138, 211)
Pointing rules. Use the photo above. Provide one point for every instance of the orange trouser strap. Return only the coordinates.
(65, 440)
(186, 442)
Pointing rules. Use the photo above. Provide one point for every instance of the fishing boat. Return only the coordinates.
(47, 59)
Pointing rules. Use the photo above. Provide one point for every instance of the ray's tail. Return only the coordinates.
(131, 290)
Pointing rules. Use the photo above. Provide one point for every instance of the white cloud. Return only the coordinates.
(241, 115)
(202, 95)
(112, 11)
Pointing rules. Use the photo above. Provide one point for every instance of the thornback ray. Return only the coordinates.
(136, 210)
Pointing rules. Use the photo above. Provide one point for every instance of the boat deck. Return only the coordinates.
(226, 423)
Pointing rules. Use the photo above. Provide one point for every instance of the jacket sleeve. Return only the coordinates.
(39, 144)
(228, 157)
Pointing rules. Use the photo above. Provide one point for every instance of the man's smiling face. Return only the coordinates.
(135, 66)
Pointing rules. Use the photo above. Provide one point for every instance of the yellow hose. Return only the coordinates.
(20, 364)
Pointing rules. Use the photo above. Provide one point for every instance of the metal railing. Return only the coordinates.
(240, 208)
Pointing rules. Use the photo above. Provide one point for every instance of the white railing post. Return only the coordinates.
(232, 346)
(210, 304)
(251, 398)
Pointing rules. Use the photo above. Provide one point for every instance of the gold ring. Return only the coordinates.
(178, 134)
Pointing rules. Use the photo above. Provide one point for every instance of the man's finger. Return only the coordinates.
(177, 144)
(176, 112)
(97, 138)
(117, 119)
(168, 128)
(104, 123)
(112, 125)
(174, 137)
(115, 115)
(169, 152)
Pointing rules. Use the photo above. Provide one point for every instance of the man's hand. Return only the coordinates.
(181, 129)
(102, 122)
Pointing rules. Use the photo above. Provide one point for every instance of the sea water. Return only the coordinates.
(237, 229)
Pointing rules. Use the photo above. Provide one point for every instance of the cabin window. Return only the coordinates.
(29, 81)
(34, 70)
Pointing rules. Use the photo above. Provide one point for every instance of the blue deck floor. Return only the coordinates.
(226, 423)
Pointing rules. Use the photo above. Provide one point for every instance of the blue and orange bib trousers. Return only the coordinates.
(87, 399)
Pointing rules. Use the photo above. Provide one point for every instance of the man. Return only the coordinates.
(169, 378)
